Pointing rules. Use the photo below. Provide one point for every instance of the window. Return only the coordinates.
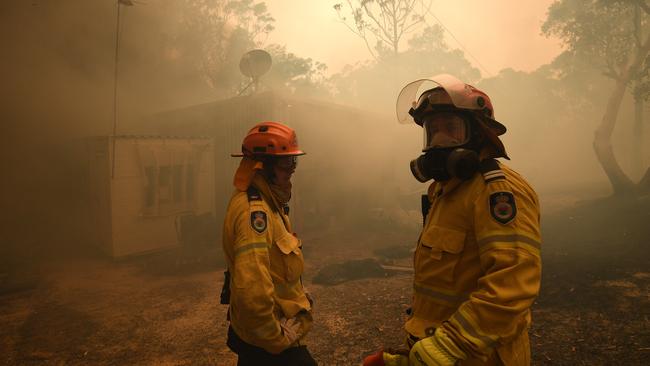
(177, 183)
(164, 185)
(189, 186)
(150, 187)
(169, 189)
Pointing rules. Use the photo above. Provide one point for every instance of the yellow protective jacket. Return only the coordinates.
(265, 262)
(478, 266)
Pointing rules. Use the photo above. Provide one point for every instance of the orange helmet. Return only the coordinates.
(270, 139)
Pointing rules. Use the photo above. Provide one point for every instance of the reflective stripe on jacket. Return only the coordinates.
(478, 270)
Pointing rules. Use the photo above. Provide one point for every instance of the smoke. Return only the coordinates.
(58, 79)
(58, 84)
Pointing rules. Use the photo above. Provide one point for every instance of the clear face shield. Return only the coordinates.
(460, 95)
(445, 130)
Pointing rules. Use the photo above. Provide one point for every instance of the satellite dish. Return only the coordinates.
(255, 63)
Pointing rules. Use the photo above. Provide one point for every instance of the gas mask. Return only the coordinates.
(448, 148)
(444, 164)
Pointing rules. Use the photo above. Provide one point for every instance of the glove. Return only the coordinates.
(290, 329)
(438, 350)
(297, 327)
(382, 358)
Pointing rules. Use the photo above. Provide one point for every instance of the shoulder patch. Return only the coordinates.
(258, 221)
(502, 207)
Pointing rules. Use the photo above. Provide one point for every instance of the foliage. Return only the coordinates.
(296, 75)
(215, 33)
(603, 34)
(384, 21)
(613, 37)
(375, 84)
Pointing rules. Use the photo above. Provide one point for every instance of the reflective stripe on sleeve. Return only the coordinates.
(510, 241)
(249, 247)
(470, 330)
(493, 174)
(437, 294)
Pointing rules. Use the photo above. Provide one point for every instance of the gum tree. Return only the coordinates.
(613, 37)
(386, 22)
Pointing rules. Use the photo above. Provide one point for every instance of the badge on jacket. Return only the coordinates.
(258, 221)
(502, 207)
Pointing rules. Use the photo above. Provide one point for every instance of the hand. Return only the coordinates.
(382, 358)
(297, 327)
(438, 350)
(290, 329)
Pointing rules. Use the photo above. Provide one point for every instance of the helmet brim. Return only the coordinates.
(498, 127)
(292, 153)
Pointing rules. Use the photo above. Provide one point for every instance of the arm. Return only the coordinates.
(509, 245)
(508, 238)
(252, 291)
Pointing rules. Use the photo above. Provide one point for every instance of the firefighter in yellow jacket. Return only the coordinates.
(477, 261)
(269, 311)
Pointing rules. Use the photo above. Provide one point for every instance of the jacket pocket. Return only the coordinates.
(292, 259)
(437, 254)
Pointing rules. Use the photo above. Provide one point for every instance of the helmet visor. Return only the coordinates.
(444, 129)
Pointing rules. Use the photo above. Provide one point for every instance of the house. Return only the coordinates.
(355, 159)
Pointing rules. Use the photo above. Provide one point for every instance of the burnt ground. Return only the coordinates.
(593, 307)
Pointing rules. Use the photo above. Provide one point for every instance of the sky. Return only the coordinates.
(505, 34)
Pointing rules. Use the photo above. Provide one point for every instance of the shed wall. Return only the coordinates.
(139, 217)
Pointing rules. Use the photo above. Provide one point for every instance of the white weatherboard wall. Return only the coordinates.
(155, 181)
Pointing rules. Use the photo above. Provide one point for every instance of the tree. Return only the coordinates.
(385, 21)
(215, 33)
(374, 84)
(612, 35)
(296, 75)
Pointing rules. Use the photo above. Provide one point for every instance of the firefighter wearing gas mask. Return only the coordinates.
(477, 261)
(455, 135)
(269, 311)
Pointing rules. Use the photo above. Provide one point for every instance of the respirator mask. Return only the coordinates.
(447, 150)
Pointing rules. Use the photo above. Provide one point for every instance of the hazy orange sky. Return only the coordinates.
(499, 33)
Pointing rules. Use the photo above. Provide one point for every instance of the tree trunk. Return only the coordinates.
(644, 184)
(637, 143)
(637, 151)
(621, 183)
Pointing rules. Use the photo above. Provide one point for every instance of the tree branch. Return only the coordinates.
(359, 31)
(382, 32)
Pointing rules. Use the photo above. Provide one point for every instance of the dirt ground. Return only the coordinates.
(593, 308)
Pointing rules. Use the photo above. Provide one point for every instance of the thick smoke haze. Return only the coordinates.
(178, 75)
